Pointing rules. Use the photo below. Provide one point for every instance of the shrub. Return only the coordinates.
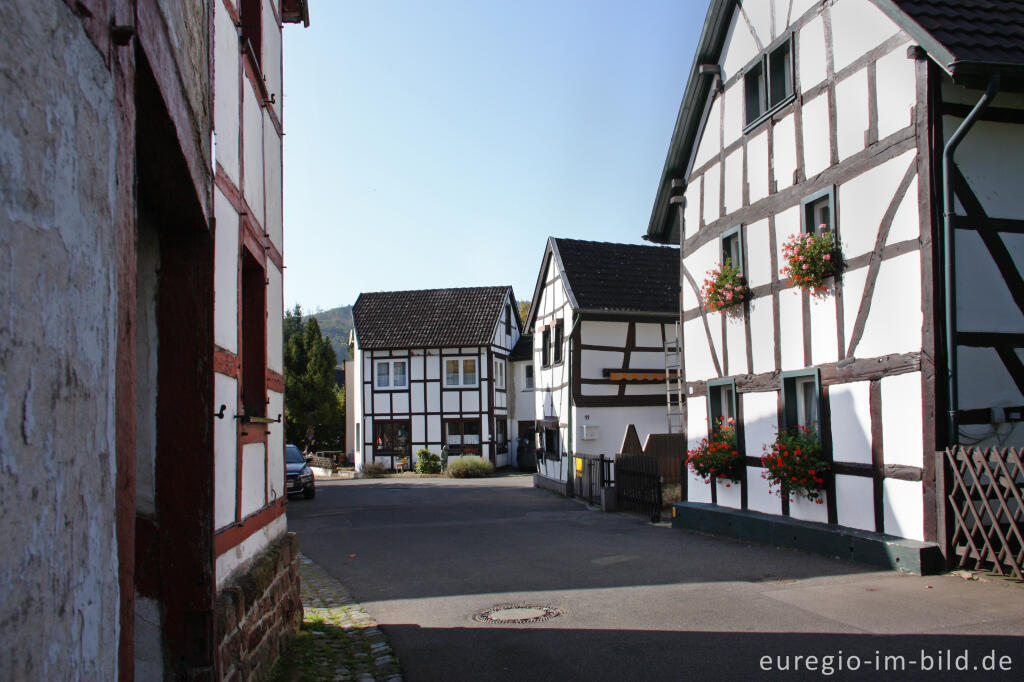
(810, 258)
(374, 470)
(427, 462)
(470, 467)
(795, 465)
(717, 455)
(724, 287)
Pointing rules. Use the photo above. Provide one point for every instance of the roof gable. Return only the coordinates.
(430, 318)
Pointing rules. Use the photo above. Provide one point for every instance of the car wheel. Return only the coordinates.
(309, 493)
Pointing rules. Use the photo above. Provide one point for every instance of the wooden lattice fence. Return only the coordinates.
(983, 492)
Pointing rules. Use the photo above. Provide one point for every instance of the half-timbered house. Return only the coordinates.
(431, 367)
(842, 113)
(600, 316)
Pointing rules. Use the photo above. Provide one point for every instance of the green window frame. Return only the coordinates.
(801, 399)
(721, 400)
(731, 243)
(817, 209)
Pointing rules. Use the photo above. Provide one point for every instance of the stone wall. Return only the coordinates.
(258, 610)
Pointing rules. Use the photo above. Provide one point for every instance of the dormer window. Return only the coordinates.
(769, 83)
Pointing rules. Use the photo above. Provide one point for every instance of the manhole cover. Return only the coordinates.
(517, 614)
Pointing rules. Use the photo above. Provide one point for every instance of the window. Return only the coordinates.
(254, 336)
(556, 353)
(545, 347)
(819, 212)
(732, 248)
(551, 443)
(391, 437)
(499, 373)
(358, 444)
(462, 436)
(391, 374)
(250, 17)
(528, 376)
(459, 372)
(801, 402)
(500, 435)
(508, 320)
(768, 84)
(721, 400)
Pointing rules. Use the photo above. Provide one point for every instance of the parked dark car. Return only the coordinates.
(300, 476)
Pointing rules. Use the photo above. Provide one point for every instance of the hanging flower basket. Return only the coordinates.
(810, 259)
(794, 464)
(724, 287)
(716, 456)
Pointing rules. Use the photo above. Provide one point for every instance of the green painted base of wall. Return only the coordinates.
(876, 549)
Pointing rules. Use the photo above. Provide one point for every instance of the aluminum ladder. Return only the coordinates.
(673, 381)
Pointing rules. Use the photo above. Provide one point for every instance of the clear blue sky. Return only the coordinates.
(439, 143)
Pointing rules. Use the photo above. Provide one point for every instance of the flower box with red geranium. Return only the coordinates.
(810, 259)
(794, 464)
(724, 287)
(716, 456)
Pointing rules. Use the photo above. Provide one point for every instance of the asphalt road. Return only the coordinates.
(637, 601)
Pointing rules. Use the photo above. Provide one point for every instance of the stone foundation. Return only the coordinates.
(258, 611)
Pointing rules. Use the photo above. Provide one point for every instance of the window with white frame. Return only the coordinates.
(732, 248)
(528, 376)
(819, 214)
(769, 83)
(499, 373)
(721, 401)
(556, 350)
(801, 399)
(460, 372)
(391, 374)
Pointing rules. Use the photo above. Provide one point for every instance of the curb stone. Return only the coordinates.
(326, 599)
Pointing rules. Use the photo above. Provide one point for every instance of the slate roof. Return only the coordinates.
(620, 277)
(428, 318)
(523, 349)
(981, 31)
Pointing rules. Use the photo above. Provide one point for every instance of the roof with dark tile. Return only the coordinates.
(986, 31)
(523, 349)
(620, 277)
(428, 318)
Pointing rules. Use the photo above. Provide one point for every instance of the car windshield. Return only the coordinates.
(292, 455)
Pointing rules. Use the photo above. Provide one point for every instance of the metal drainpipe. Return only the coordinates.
(949, 259)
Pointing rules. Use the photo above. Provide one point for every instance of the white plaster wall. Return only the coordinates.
(816, 134)
(851, 113)
(651, 335)
(988, 159)
(903, 506)
(734, 181)
(603, 333)
(824, 335)
(757, 166)
(732, 104)
(612, 423)
(691, 214)
(791, 329)
(812, 67)
(252, 146)
(275, 313)
(863, 201)
(760, 420)
(759, 16)
(984, 381)
(984, 302)
(225, 453)
(762, 334)
(271, 61)
(857, 26)
(902, 427)
(225, 274)
(274, 221)
(851, 423)
(730, 494)
(797, 8)
(253, 481)
(855, 502)
(149, 656)
(759, 496)
(906, 224)
(739, 47)
(787, 224)
(699, 365)
(710, 139)
(784, 150)
(736, 344)
(237, 559)
(225, 85)
(806, 510)
(701, 261)
(712, 194)
(275, 448)
(758, 266)
(895, 320)
(696, 429)
(896, 85)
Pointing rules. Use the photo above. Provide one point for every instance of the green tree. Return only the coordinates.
(314, 405)
(524, 310)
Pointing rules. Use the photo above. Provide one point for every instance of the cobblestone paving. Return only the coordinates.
(355, 646)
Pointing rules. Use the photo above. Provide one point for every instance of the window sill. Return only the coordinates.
(769, 113)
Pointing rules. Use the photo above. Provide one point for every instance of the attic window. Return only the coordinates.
(508, 320)
(769, 83)
(251, 24)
